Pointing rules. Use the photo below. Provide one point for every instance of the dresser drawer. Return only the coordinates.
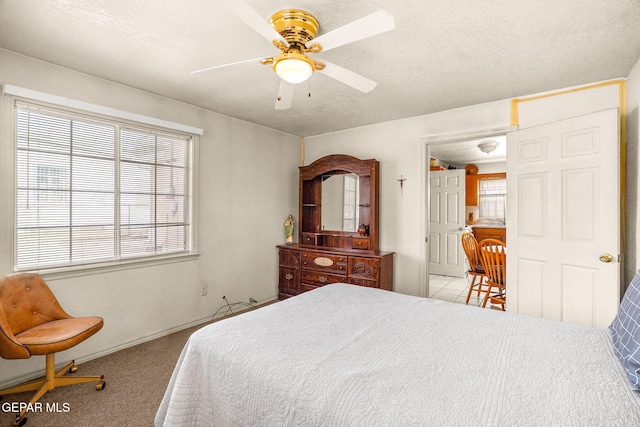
(309, 239)
(364, 282)
(289, 280)
(360, 243)
(289, 258)
(325, 262)
(364, 268)
(317, 278)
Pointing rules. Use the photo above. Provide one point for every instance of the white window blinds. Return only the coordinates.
(153, 172)
(92, 191)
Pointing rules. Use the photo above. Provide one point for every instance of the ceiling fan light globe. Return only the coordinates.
(293, 70)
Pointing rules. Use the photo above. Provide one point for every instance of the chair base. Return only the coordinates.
(51, 380)
(497, 298)
(477, 287)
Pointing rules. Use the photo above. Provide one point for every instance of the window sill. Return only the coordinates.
(99, 268)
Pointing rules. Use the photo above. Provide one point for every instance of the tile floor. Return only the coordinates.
(453, 289)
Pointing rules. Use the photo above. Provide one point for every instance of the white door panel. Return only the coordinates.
(446, 220)
(563, 183)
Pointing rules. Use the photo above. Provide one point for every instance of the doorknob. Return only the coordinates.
(606, 257)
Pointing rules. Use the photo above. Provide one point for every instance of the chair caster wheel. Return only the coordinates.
(73, 369)
(101, 385)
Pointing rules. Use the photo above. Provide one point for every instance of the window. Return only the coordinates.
(350, 205)
(90, 190)
(493, 198)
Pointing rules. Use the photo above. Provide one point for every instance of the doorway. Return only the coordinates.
(454, 154)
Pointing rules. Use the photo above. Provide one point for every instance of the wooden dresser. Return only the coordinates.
(334, 247)
(304, 268)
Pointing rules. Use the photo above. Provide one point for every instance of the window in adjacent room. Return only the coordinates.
(91, 190)
(492, 198)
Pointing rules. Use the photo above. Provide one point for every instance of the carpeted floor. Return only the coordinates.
(136, 379)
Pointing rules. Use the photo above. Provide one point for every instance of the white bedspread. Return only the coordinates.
(345, 355)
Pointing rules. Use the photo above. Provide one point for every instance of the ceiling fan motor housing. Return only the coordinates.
(295, 26)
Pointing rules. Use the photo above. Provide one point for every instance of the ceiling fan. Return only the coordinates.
(294, 31)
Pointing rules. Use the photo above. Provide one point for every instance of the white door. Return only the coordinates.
(446, 221)
(563, 222)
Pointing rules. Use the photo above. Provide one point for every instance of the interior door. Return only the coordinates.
(563, 220)
(446, 221)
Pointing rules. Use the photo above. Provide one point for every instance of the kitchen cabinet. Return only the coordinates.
(481, 233)
(471, 190)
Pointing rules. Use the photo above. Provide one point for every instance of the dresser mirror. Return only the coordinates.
(339, 203)
(340, 196)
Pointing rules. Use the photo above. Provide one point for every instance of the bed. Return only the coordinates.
(345, 355)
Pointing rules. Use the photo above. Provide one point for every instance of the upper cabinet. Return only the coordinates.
(472, 187)
(471, 190)
(339, 203)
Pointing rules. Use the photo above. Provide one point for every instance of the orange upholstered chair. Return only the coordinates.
(32, 323)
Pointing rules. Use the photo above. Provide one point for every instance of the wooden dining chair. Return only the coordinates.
(493, 255)
(476, 271)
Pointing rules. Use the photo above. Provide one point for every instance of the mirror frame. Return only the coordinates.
(310, 202)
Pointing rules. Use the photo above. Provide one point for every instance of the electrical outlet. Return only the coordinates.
(204, 290)
(252, 301)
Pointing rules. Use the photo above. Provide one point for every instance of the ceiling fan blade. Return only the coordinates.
(227, 65)
(347, 77)
(285, 95)
(253, 19)
(376, 23)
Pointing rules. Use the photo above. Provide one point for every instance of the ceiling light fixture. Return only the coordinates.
(488, 146)
(293, 67)
(297, 27)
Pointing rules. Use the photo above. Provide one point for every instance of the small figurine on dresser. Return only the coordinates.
(288, 228)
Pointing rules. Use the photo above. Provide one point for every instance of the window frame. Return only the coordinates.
(121, 119)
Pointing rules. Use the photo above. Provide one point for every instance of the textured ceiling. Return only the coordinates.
(441, 55)
(463, 153)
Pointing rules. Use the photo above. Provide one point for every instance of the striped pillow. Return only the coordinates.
(625, 331)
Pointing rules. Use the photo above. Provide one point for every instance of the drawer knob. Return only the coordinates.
(322, 279)
(288, 276)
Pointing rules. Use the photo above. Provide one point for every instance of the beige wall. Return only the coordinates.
(248, 186)
(400, 148)
(248, 181)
